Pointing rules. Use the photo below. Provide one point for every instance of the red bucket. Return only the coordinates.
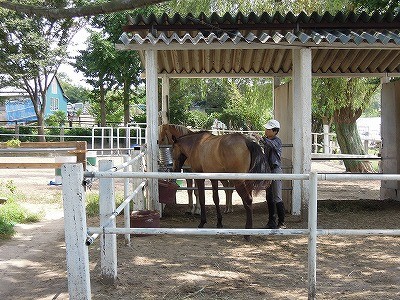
(167, 191)
(145, 219)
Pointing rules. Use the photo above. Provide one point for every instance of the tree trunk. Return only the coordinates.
(349, 140)
(102, 106)
(40, 120)
(126, 103)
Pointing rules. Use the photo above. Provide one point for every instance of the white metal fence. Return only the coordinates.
(76, 230)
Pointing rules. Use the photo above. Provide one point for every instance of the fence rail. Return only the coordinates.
(76, 243)
(43, 149)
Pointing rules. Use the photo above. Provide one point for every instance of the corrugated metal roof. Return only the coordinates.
(342, 44)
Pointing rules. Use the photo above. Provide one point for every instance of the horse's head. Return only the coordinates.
(163, 135)
(178, 156)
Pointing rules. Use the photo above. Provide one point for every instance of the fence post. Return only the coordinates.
(16, 130)
(108, 242)
(127, 217)
(140, 203)
(312, 237)
(75, 232)
(62, 133)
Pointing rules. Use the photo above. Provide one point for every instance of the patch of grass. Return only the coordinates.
(11, 212)
(6, 229)
(92, 203)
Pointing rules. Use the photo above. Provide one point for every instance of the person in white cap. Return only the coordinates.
(273, 151)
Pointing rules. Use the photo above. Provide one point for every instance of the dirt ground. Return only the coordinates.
(32, 264)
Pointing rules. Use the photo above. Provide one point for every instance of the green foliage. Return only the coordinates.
(6, 229)
(74, 93)
(239, 103)
(139, 118)
(196, 119)
(92, 203)
(11, 212)
(13, 143)
(31, 51)
(381, 6)
(256, 6)
(113, 107)
(28, 134)
(4, 133)
(83, 133)
(58, 118)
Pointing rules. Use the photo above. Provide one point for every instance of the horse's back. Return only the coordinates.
(224, 153)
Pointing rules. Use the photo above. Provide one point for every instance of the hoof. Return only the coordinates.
(219, 226)
(201, 225)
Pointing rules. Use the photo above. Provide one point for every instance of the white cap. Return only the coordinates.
(272, 124)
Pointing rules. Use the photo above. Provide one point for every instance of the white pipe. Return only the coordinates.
(196, 231)
(395, 177)
(358, 232)
(312, 237)
(176, 175)
(127, 220)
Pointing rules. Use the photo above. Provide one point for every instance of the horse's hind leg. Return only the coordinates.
(247, 200)
(214, 184)
(202, 200)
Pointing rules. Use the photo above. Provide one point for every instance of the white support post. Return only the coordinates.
(75, 231)
(139, 204)
(302, 142)
(108, 242)
(312, 237)
(152, 129)
(165, 99)
(127, 217)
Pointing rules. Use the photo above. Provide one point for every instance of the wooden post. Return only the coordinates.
(81, 153)
(75, 232)
(108, 242)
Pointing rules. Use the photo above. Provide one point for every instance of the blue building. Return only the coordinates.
(20, 109)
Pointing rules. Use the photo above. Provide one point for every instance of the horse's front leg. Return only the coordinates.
(228, 195)
(196, 208)
(202, 200)
(189, 184)
(214, 184)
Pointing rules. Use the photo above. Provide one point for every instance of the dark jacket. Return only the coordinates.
(273, 151)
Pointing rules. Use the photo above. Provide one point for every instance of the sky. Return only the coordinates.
(77, 43)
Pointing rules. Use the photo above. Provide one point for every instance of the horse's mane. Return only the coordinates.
(168, 131)
(182, 129)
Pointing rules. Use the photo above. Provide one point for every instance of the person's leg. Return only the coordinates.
(280, 207)
(271, 209)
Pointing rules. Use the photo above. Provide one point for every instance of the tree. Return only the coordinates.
(31, 50)
(95, 62)
(381, 6)
(82, 8)
(126, 67)
(343, 101)
(74, 93)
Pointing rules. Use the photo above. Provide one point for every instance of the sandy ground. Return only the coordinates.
(32, 264)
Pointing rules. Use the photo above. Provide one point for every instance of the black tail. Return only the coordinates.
(259, 164)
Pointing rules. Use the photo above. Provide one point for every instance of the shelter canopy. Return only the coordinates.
(342, 44)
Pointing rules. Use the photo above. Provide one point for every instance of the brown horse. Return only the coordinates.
(166, 135)
(230, 153)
